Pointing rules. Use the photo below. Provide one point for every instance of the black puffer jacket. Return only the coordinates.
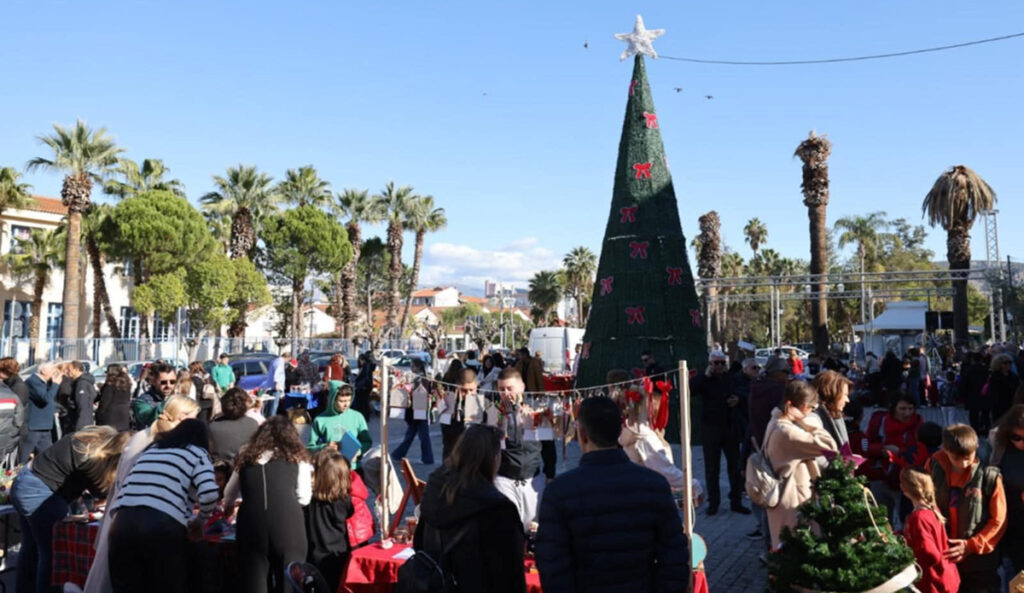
(489, 554)
(610, 526)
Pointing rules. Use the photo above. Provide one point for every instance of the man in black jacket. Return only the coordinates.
(609, 525)
(519, 476)
(715, 390)
(83, 396)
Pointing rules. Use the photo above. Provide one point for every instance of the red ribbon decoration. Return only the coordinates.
(637, 372)
(628, 213)
(633, 396)
(632, 88)
(695, 317)
(606, 285)
(660, 420)
(651, 120)
(675, 276)
(638, 249)
(643, 170)
(636, 315)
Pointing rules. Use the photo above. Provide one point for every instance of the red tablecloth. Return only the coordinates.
(559, 382)
(373, 569)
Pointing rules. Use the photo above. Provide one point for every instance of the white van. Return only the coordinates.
(554, 343)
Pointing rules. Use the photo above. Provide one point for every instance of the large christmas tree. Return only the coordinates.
(644, 297)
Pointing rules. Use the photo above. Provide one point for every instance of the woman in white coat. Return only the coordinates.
(794, 443)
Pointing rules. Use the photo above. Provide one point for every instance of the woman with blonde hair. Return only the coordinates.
(925, 534)
(44, 489)
(176, 409)
(834, 392)
(793, 442)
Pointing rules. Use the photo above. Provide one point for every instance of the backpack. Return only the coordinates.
(422, 573)
(762, 483)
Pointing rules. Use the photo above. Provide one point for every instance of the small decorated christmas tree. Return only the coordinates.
(843, 542)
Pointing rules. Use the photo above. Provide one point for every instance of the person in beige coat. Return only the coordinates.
(794, 442)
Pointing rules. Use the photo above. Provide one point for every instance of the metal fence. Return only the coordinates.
(106, 350)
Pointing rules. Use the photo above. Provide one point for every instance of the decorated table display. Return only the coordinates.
(843, 542)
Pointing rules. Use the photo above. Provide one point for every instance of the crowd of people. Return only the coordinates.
(954, 491)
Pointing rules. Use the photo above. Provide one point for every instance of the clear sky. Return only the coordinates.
(500, 113)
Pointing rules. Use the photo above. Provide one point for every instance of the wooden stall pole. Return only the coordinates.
(385, 457)
(687, 461)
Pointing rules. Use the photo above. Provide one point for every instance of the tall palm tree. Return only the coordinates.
(422, 218)
(814, 152)
(245, 196)
(755, 234)
(84, 156)
(92, 225)
(546, 290)
(359, 208)
(396, 202)
(35, 259)
(709, 268)
(580, 266)
(303, 187)
(140, 178)
(864, 231)
(955, 200)
(13, 193)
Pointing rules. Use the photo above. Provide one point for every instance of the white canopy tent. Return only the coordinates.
(897, 328)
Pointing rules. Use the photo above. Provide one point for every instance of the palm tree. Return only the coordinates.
(546, 290)
(422, 218)
(13, 193)
(92, 225)
(396, 202)
(358, 207)
(35, 259)
(138, 179)
(814, 152)
(580, 266)
(955, 200)
(756, 234)
(303, 187)
(245, 196)
(865, 231)
(709, 268)
(732, 267)
(84, 156)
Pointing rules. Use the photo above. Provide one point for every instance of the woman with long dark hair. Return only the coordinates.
(274, 478)
(462, 508)
(153, 517)
(114, 400)
(1008, 455)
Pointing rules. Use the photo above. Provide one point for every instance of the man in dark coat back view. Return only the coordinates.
(610, 525)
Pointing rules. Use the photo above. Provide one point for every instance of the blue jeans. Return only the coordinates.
(270, 407)
(422, 429)
(39, 509)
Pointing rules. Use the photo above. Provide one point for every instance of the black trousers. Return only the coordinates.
(360, 403)
(450, 434)
(549, 457)
(717, 440)
(148, 552)
(981, 420)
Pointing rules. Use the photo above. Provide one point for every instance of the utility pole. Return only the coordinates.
(1012, 298)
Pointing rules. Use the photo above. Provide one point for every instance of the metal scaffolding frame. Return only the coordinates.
(837, 283)
(997, 315)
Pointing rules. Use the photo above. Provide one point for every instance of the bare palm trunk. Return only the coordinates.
(958, 252)
(416, 259)
(819, 258)
(72, 274)
(347, 282)
(394, 276)
(37, 311)
(296, 311)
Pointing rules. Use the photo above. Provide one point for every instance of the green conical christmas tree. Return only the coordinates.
(644, 297)
(842, 543)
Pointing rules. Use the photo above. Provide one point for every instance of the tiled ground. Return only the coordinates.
(732, 564)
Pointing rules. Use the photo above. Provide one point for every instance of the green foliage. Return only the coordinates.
(140, 178)
(78, 150)
(13, 193)
(160, 230)
(305, 241)
(250, 284)
(546, 290)
(161, 294)
(836, 546)
(209, 285)
(37, 255)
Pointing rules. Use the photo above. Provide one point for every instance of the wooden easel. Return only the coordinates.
(413, 487)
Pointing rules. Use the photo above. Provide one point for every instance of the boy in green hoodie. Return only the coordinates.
(332, 424)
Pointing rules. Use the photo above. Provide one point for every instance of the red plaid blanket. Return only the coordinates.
(73, 552)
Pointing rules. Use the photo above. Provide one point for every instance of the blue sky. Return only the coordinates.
(498, 111)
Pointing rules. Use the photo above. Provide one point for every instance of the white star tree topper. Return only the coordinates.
(639, 41)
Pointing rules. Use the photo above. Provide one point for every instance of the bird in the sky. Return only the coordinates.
(708, 97)
(586, 45)
(678, 89)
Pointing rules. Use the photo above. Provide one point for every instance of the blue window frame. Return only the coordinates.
(17, 315)
(54, 321)
(129, 323)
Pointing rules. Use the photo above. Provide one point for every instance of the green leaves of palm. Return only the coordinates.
(546, 290)
(13, 193)
(39, 253)
(83, 155)
(140, 178)
(246, 196)
(755, 233)
(303, 187)
(865, 231)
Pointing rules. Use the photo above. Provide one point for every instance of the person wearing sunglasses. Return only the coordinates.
(1008, 455)
(715, 389)
(163, 382)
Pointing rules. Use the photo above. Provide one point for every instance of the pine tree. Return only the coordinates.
(644, 296)
(837, 546)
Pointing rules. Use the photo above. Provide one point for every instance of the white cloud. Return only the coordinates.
(450, 263)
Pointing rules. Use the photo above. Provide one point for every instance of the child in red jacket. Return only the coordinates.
(925, 533)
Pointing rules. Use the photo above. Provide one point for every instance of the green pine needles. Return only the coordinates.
(837, 547)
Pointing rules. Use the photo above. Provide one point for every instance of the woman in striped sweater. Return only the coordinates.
(154, 519)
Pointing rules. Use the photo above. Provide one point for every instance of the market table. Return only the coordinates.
(372, 569)
(73, 551)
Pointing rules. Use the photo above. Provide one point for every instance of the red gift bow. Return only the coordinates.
(633, 396)
(659, 419)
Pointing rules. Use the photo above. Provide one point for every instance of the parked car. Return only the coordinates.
(761, 355)
(392, 355)
(251, 373)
